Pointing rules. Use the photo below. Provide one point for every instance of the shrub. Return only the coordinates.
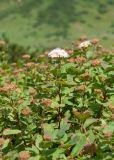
(58, 108)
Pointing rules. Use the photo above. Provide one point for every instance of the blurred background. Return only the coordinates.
(56, 23)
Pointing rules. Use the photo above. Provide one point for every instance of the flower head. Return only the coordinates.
(2, 43)
(80, 60)
(46, 102)
(96, 62)
(24, 155)
(58, 52)
(94, 41)
(9, 87)
(32, 91)
(46, 137)
(85, 44)
(81, 88)
(1, 141)
(26, 111)
(26, 56)
(29, 64)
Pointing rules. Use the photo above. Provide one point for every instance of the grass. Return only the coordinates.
(52, 23)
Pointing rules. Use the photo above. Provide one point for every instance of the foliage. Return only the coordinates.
(58, 108)
(46, 24)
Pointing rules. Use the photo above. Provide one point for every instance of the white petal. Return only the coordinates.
(84, 44)
(58, 52)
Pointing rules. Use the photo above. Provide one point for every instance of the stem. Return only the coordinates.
(59, 109)
(1, 153)
(102, 107)
(85, 131)
(29, 133)
(18, 122)
(42, 122)
(20, 128)
(59, 94)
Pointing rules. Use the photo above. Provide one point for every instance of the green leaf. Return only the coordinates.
(11, 132)
(82, 116)
(89, 122)
(64, 138)
(73, 139)
(70, 80)
(38, 141)
(91, 136)
(49, 130)
(35, 158)
(79, 146)
(109, 128)
(111, 100)
(33, 149)
(66, 101)
(67, 66)
(90, 54)
(6, 143)
(64, 126)
(54, 153)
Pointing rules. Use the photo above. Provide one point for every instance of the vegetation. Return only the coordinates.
(47, 24)
(57, 108)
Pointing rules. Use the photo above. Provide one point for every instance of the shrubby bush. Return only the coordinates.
(58, 108)
(102, 9)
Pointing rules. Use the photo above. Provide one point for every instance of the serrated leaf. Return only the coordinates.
(79, 146)
(89, 122)
(38, 141)
(91, 136)
(64, 126)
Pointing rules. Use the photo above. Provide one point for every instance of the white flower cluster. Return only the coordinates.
(58, 52)
(84, 44)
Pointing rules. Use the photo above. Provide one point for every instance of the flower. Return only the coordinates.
(83, 38)
(24, 155)
(26, 111)
(29, 64)
(99, 92)
(18, 71)
(111, 107)
(8, 87)
(46, 137)
(58, 52)
(71, 60)
(32, 91)
(80, 60)
(82, 87)
(85, 76)
(20, 101)
(2, 71)
(2, 43)
(108, 135)
(46, 102)
(94, 41)
(96, 62)
(84, 44)
(26, 56)
(1, 141)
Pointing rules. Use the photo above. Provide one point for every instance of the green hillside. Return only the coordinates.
(53, 23)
